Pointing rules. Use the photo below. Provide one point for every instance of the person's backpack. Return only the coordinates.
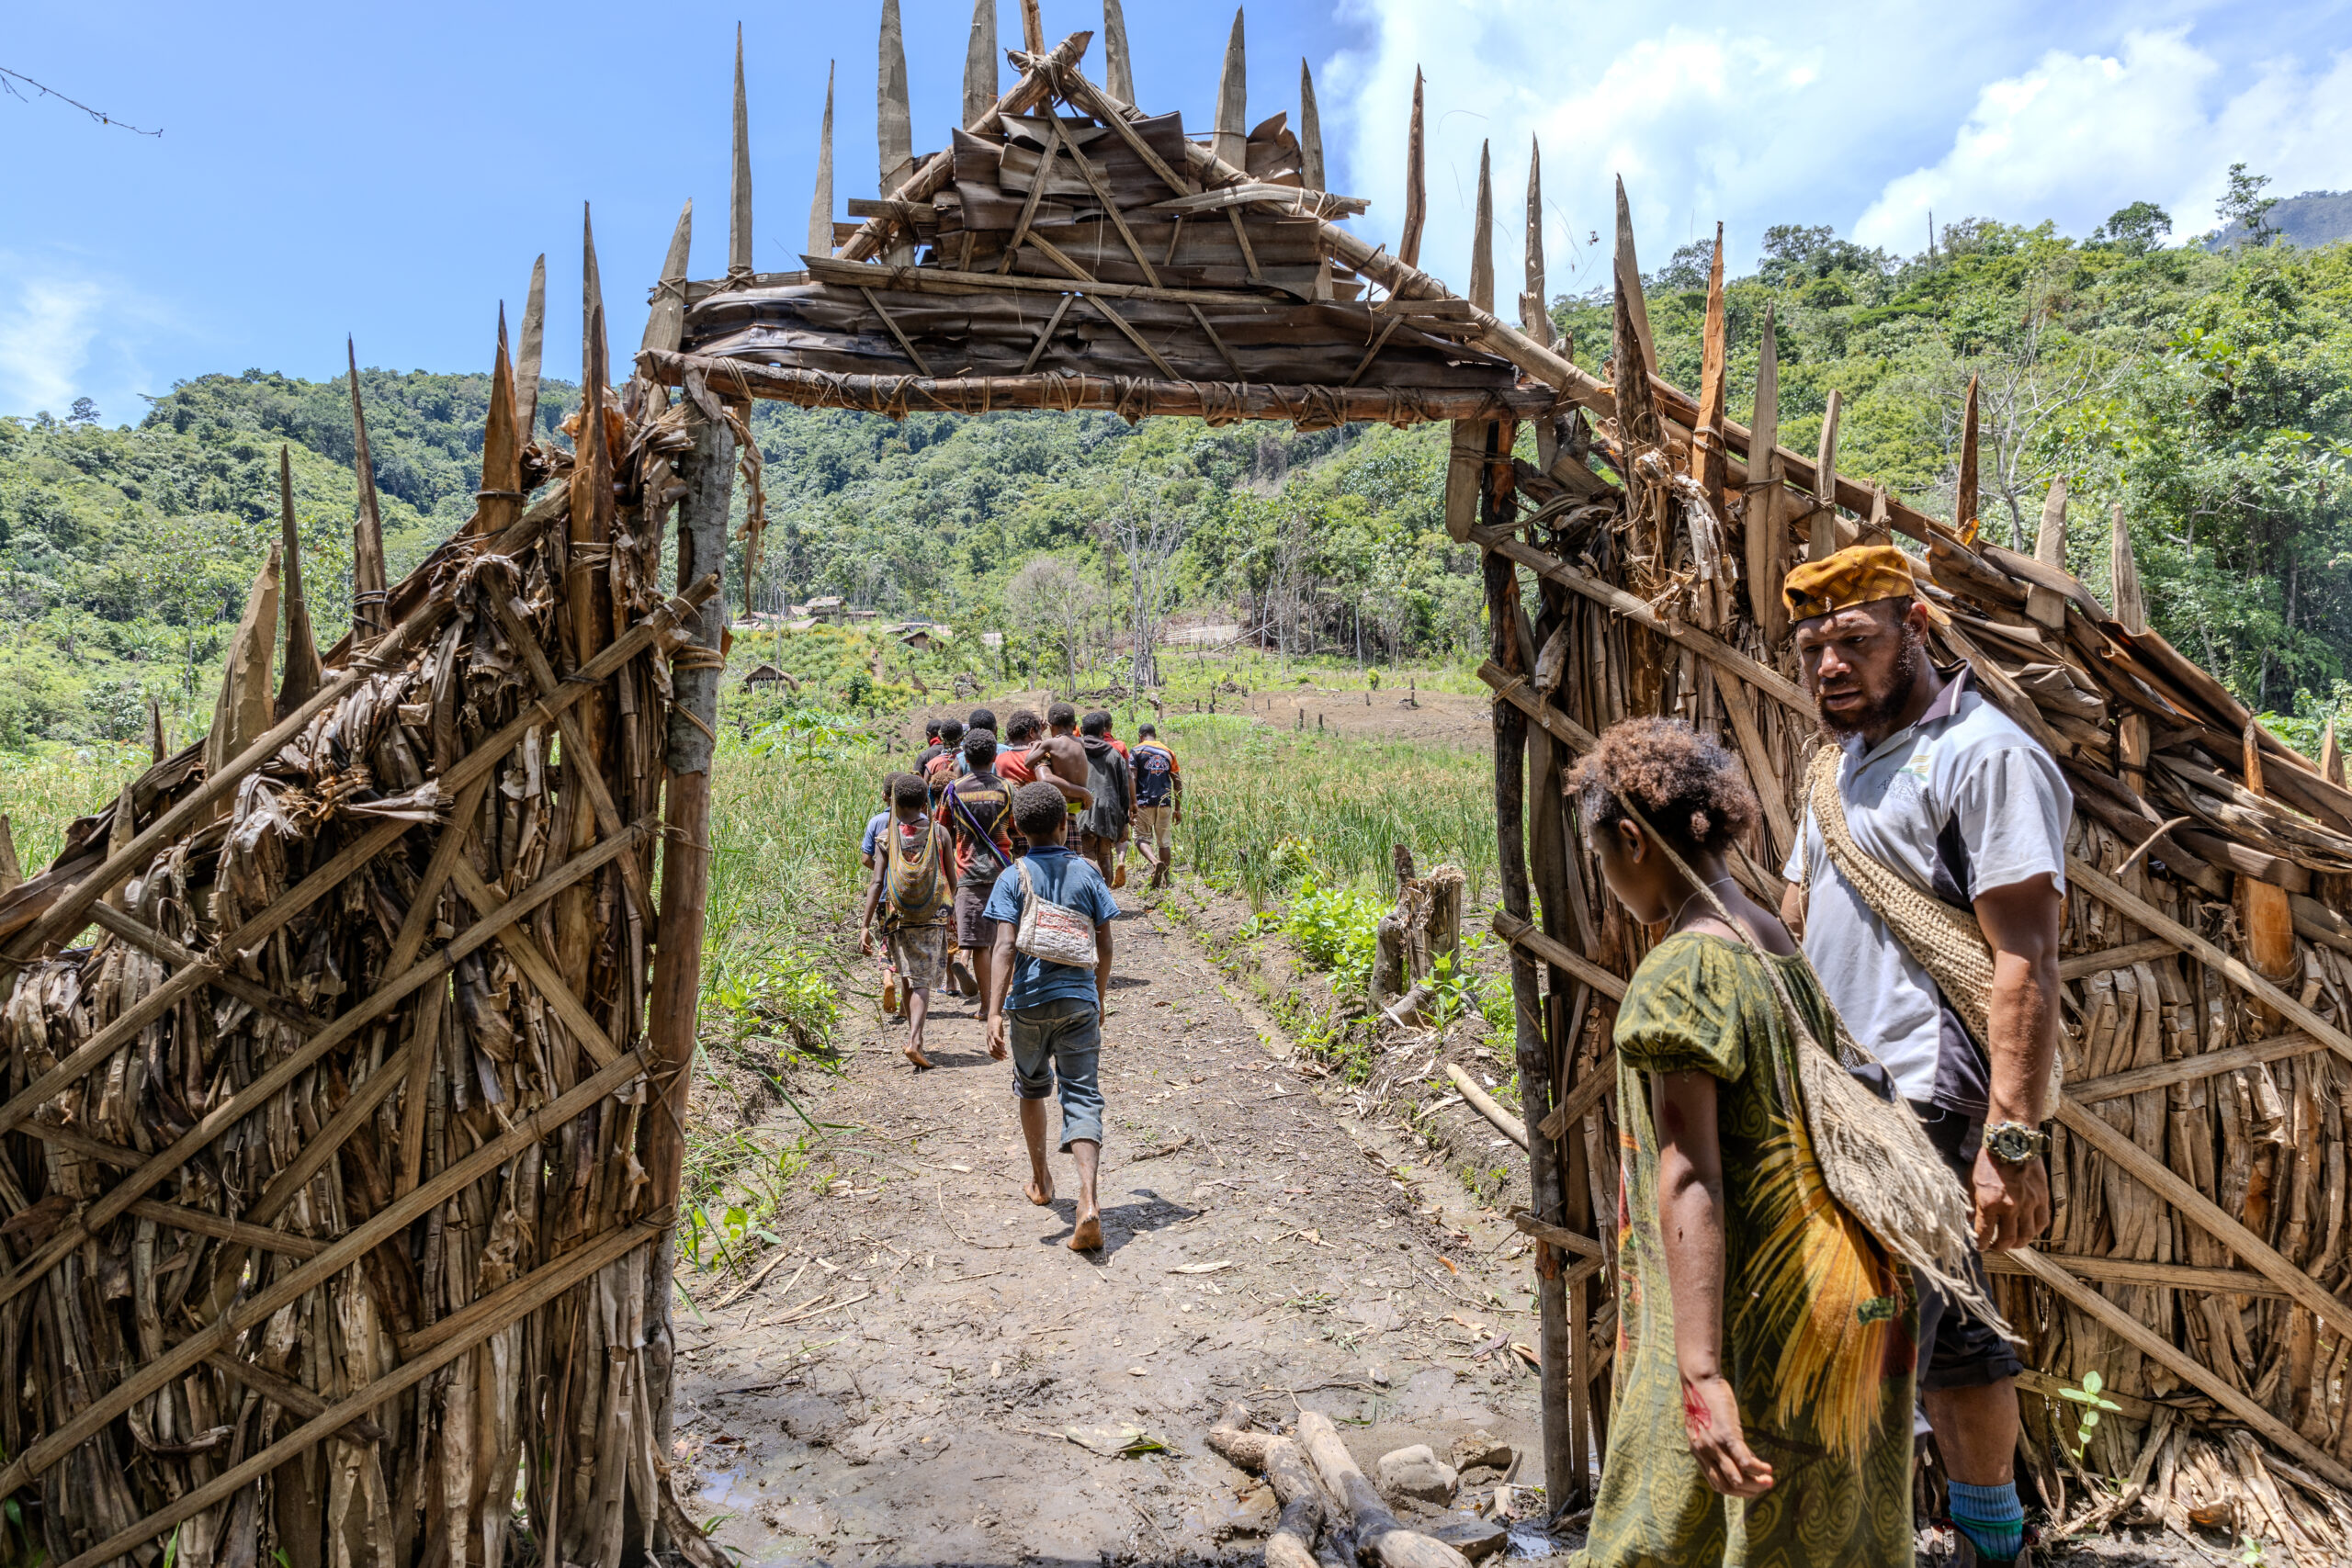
(915, 885)
(1054, 934)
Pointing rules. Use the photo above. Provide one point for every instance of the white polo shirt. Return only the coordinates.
(1961, 802)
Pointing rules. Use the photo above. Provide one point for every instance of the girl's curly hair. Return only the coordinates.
(1683, 782)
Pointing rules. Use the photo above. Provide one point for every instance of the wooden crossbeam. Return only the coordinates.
(1061, 308)
(1082, 94)
(1514, 690)
(1094, 178)
(2149, 1343)
(1372, 352)
(1531, 940)
(537, 966)
(1104, 309)
(1060, 258)
(2132, 1271)
(1224, 353)
(1709, 647)
(906, 346)
(139, 933)
(1601, 1079)
(1037, 184)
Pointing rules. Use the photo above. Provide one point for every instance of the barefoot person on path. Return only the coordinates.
(1764, 1350)
(978, 810)
(914, 892)
(1040, 977)
(1923, 787)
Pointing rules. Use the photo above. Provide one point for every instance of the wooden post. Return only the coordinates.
(1561, 1478)
(739, 188)
(1964, 500)
(2264, 909)
(2049, 539)
(1767, 521)
(979, 61)
(820, 198)
(526, 353)
(1482, 236)
(1118, 66)
(893, 114)
(303, 676)
(2124, 578)
(368, 620)
(708, 475)
(1824, 541)
(1709, 461)
(1629, 286)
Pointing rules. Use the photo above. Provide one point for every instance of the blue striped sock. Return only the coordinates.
(1991, 1518)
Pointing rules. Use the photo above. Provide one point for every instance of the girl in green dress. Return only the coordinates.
(1765, 1353)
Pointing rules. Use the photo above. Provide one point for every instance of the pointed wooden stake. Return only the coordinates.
(1033, 27)
(1482, 236)
(1963, 505)
(2124, 576)
(894, 125)
(1767, 512)
(1825, 484)
(240, 714)
(303, 674)
(527, 362)
(1708, 456)
(665, 324)
(591, 294)
(1118, 68)
(2330, 757)
(159, 743)
(2049, 539)
(1535, 315)
(1230, 139)
(368, 620)
(1310, 125)
(1629, 281)
(1417, 200)
(979, 64)
(821, 200)
(738, 205)
(501, 454)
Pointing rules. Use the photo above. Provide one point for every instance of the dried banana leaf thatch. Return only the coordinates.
(320, 1187)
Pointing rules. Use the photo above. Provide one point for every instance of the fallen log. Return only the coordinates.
(1379, 1537)
(1486, 1105)
(1278, 1459)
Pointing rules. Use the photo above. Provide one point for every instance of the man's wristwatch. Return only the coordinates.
(2014, 1142)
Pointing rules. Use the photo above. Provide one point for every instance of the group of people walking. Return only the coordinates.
(993, 868)
(1800, 1255)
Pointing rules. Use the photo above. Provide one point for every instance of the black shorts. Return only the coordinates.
(1961, 1351)
(972, 928)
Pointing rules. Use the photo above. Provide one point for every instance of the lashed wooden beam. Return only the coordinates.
(1310, 123)
(1312, 408)
(1033, 27)
(1417, 200)
(367, 614)
(1230, 138)
(303, 673)
(739, 190)
(820, 198)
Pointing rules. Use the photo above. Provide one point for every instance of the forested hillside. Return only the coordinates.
(2210, 395)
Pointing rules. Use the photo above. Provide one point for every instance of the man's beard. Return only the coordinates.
(1879, 709)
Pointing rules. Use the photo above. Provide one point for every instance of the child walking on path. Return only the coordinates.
(1766, 1342)
(914, 892)
(1052, 909)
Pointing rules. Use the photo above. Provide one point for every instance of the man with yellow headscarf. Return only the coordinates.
(1927, 885)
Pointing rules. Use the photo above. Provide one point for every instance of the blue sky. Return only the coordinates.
(391, 172)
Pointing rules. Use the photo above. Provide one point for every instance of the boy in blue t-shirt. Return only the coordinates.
(1055, 1009)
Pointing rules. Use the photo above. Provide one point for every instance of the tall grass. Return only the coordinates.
(1263, 805)
(784, 837)
(43, 793)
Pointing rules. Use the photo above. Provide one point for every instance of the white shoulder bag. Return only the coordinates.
(1053, 932)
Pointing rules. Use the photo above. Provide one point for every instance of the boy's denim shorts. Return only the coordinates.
(1054, 1044)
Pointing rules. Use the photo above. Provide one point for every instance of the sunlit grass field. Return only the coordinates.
(43, 793)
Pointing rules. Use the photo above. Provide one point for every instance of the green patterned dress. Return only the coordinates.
(1820, 1325)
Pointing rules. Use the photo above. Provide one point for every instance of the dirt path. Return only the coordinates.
(929, 1376)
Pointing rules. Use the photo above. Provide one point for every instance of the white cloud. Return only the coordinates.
(45, 335)
(1858, 114)
(2079, 135)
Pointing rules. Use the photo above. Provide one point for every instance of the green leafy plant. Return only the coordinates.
(2088, 1397)
(1337, 930)
(776, 997)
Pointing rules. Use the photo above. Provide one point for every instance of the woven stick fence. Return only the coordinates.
(337, 1156)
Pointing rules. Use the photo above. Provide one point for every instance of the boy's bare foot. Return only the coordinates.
(1087, 1234)
(1038, 1192)
(914, 1055)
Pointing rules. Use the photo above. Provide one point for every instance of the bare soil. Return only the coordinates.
(928, 1375)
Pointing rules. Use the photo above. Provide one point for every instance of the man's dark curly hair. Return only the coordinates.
(1683, 782)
